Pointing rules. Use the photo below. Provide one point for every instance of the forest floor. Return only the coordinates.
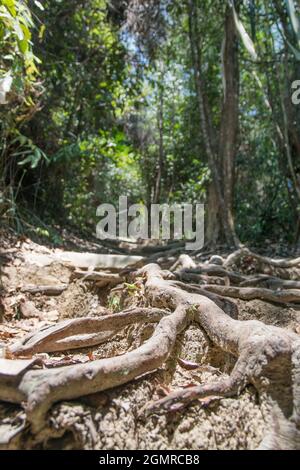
(112, 419)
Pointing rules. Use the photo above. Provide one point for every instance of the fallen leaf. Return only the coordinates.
(163, 391)
(188, 365)
(6, 334)
(208, 368)
(8, 354)
(91, 356)
(191, 385)
(66, 361)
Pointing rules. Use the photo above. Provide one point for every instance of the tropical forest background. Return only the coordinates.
(160, 100)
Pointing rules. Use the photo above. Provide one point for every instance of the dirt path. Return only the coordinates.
(112, 419)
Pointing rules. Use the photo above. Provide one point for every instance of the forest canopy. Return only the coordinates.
(162, 101)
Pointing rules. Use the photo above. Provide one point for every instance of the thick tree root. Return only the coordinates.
(267, 357)
(177, 400)
(45, 290)
(231, 284)
(83, 332)
(285, 269)
(251, 293)
(204, 273)
(279, 263)
(98, 276)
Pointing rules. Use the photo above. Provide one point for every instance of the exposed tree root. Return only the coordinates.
(267, 357)
(261, 286)
(202, 272)
(226, 387)
(285, 269)
(83, 332)
(99, 276)
(46, 290)
(251, 293)
(269, 282)
(196, 274)
(279, 263)
(229, 307)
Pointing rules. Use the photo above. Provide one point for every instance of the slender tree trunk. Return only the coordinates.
(221, 159)
(160, 125)
(230, 119)
(213, 216)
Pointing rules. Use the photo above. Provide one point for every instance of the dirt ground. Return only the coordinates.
(114, 419)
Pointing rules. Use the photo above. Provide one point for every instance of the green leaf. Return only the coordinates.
(26, 32)
(42, 31)
(10, 5)
(26, 160)
(23, 46)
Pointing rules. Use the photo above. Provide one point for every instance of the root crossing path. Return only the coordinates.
(189, 294)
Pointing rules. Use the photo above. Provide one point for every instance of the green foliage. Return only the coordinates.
(19, 100)
(83, 127)
(101, 169)
(32, 155)
(18, 70)
(114, 303)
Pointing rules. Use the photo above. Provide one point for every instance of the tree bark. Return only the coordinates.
(229, 120)
(161, 156)
(221, 157)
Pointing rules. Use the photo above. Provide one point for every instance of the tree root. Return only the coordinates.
(83, 332)
(267, 357)
(189, 271)
(285, 269)
(176, 401)
(251, 293)
(45, 290)
(279, 263)
(98, 276)
(228, 306)
(269, 282)
(261, 286)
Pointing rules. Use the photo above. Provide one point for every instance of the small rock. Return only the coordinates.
(218, 260)
(49, 316)
(28, 309)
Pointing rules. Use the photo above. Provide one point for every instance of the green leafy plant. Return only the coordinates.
(17, 59)
(26, 148)
(114, 303)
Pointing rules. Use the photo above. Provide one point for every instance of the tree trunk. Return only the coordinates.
(229, 121)
(213, 216)
(160, 125)
(221, 158)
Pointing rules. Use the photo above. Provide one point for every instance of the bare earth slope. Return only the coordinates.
(209, 372)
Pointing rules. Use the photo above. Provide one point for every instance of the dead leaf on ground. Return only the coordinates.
(7, 334)
(163, 390)
(91, 356)
(190, 385)
(188, 365)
